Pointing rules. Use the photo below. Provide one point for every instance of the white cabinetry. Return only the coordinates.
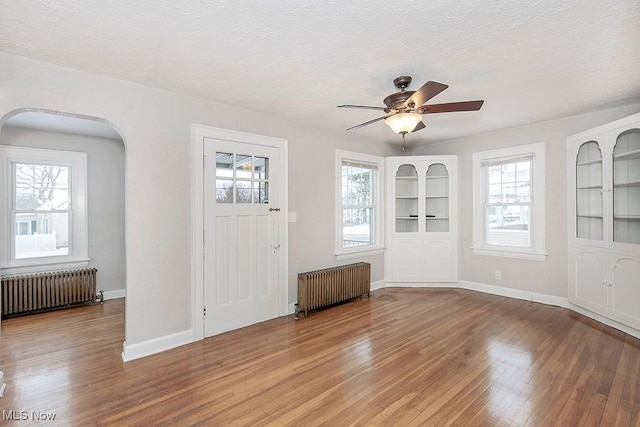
(422, 219)
(603, 184)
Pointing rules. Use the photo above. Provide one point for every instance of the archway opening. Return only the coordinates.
(40, 224)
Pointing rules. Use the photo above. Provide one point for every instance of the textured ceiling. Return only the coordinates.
(529, 60)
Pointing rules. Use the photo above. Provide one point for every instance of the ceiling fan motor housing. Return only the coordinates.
(395, 100)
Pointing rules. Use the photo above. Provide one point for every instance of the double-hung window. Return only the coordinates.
(44, 222)
(359, 211)
(509, 202)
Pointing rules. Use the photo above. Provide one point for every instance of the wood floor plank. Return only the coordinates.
(402, 357)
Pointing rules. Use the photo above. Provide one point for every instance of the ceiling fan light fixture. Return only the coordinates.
(403, 123)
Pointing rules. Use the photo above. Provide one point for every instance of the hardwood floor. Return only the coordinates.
(403, 357)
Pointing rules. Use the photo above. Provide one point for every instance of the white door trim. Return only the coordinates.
(198, 133)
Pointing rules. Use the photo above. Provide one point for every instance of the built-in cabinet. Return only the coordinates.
(604, 220)
(422, 219)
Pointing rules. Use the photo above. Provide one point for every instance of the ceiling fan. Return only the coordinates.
(404, 109)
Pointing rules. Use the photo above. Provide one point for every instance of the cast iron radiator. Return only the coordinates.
(332, 285)
(45, 291)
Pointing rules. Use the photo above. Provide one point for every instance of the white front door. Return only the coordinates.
(241, 248)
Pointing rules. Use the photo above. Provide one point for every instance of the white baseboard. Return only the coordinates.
(3, 386)
(118, 293)
(488, 289)
(421, 285)
(156, 345)
(378, 285)
(515, 293)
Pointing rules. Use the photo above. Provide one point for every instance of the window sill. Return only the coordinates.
(360, 253)
(43, 267)
(511, 253)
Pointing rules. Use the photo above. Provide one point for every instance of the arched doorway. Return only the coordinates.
(43, 132)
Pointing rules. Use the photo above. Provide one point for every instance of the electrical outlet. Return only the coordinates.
(498, 274)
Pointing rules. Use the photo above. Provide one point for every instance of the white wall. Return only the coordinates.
(105, 198)
(545, 277)
(155, 125)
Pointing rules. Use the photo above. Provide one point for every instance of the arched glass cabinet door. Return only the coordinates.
(589, 219)
(437, 198)
(406, 199)
(626, 187)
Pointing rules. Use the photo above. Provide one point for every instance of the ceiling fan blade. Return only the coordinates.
(369, 122)
(451, 107)
(419, 126)
(365, 107)
(425, 93)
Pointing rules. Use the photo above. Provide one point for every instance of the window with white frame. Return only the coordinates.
(508, 209)
(44, 222)
(359, 212)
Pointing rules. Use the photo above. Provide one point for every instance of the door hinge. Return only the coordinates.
(204, 237)
(204, 161)
(204, 311)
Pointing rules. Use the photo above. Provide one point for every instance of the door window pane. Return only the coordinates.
(224, 191)
(261, 167)
(242, 178)
(224, 165)
(261, 192)
(243, 192)
(243, 166)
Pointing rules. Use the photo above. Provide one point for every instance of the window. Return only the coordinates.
(359, 213)
(508, 209)
(44, 223)
(249, 175)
